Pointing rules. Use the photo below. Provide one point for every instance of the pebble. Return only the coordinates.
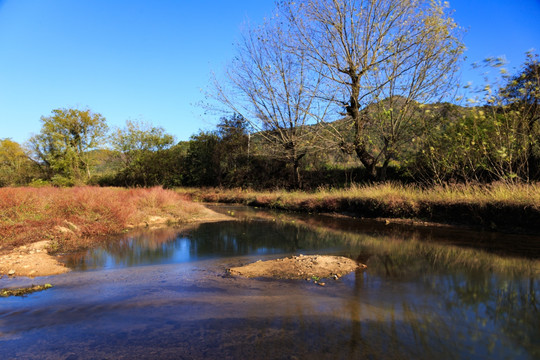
(11, 272)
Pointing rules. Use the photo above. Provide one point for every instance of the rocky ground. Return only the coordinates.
(312, 267)
(31, 260)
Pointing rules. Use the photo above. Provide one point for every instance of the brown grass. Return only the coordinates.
(495, 206)
(77, 217)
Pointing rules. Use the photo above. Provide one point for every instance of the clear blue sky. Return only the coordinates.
(149, 60)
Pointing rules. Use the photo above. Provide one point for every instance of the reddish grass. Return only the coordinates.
(34, 214)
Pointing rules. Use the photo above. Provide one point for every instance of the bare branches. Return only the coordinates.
(369, 50)
(276, 91)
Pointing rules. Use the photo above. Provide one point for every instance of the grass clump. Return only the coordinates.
(24, 291)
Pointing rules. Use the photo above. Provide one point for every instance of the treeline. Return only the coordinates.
(324, 93)
(497, 141)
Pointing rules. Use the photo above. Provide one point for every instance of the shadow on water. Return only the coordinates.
(422, 296)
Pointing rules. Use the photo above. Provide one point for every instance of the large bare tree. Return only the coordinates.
(275, 90)
(400, 51)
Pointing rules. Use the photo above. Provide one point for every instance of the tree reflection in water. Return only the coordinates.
(438, 298)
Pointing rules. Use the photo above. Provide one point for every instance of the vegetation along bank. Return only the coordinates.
(501, 207)
(38, 222)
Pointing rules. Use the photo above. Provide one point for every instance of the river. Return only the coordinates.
(428, 292)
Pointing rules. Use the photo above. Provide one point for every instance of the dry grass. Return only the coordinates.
(497, 205)
(523, 194)
(77, 217)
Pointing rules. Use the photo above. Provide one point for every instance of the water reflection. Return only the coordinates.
(176, 245)
(421, 297)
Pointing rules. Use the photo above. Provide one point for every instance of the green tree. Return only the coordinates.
(495, 139)
(202, 164)
(457, 149)
(522, 95)
(62, 147)
(16, 168)
(234, 149)
(138, 143)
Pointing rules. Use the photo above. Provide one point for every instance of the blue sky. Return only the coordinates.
(149, 60)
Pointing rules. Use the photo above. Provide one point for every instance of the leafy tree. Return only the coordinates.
(457, 151)
(372, 50)
(138, 142)
(522, 95)
(16, 168)
(234, 148)
(62, 147)
(137, 138)
(497, 140)
(511, 104)
(202, 164)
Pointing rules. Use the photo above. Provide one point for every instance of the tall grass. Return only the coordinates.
(75, 217)
(522, 194)
(494, 206)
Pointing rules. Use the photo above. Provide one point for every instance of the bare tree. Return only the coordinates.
(274, 90)
(404, 51)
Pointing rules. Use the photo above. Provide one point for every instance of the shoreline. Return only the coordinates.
(35, 260)
(486, 215)
(33, 250)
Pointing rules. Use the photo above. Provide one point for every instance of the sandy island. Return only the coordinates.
(312, 267)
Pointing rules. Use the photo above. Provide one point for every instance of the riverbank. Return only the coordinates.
(37, 223)
(500, 207)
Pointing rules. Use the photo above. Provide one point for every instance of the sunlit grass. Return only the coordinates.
(34, 214)
(491, 204)
(522, 194)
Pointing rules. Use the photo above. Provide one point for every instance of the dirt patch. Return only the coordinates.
(31, 260)
(312, 267)
(205, 215)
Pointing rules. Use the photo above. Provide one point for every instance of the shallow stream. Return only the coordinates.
(430, 292)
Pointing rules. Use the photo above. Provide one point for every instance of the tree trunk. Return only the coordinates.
(353, 110)
(368, 161)
(296, 173)
(383, 170)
